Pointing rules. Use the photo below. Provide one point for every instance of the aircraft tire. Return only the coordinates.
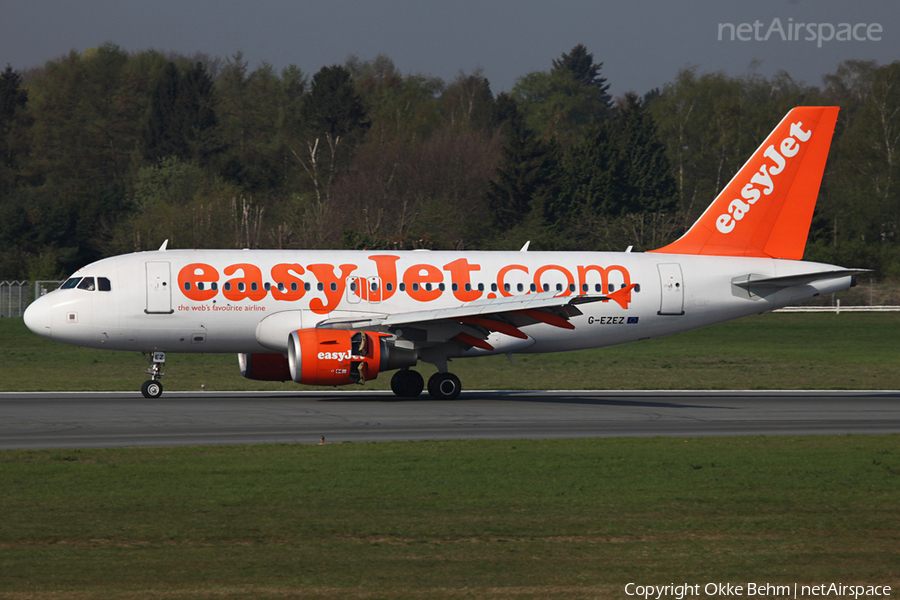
(151, 389)
(444, 386)
(407, 384)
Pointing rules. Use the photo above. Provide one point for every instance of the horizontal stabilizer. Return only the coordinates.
(763, 281)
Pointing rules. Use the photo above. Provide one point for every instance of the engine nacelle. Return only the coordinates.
(265, 367)
(340, 356)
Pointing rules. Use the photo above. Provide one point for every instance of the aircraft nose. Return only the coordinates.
(37, 317)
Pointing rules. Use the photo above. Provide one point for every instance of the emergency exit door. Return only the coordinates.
(159, 288)
(672, 286)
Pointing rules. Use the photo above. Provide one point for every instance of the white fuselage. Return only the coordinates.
(217, 300)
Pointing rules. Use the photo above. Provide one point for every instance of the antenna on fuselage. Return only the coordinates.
(164, 244)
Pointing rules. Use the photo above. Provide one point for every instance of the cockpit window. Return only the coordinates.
(103, 284)
(87, 284)
(70, 283)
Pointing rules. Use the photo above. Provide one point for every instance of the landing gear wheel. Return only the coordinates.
(444, 386)
(407, 384)
(152, 389)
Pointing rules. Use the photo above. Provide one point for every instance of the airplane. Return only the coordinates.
(343, 317)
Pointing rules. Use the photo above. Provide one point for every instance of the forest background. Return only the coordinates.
(105, 152)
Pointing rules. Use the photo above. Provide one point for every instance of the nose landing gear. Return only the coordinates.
(153, 387)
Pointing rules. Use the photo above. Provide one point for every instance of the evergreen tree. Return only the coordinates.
(644, 176)
(12, 102)
(333, 108)
(580, 65)
(334, 120)
(524, 176)
(616, 185)
(182, 117)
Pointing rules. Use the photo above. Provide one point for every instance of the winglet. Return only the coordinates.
(766, 209)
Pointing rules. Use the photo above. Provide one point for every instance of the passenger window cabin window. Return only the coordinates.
(441, 287)
(571, 287)
(87, 284)
(306, 286)
(214, 286)
(320, 286)
(612, 287)
(227, 286)
(187, 286)
(493, 287)
(103, 284)
(333, 287)
(389, 286)
(520, 288)
(584, 287)
(402, 287)
(353, 286)
(480, 287)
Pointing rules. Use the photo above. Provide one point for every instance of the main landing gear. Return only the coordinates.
(441, 386)
(153, 387)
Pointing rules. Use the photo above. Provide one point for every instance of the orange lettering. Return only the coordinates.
(249, 286)
(193, 276)
(333, 286)
(417, 277)
(459, 276)
(501, 284)
(570, 280)
(387, 271)
(293, 286)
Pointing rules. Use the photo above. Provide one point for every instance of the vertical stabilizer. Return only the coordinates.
(766, 209)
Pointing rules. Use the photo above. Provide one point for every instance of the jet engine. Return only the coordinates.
(340, 356)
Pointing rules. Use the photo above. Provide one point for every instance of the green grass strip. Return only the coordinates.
(466, 519)
(772, 351)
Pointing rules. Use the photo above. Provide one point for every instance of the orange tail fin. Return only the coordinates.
(766, 209)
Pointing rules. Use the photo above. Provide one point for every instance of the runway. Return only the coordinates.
(99, 420)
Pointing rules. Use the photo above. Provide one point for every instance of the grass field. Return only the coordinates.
(468, 519)
(773, 351)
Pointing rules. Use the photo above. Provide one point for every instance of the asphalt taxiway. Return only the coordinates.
(97, 419)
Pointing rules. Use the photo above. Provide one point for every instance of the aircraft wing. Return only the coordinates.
(478, 319)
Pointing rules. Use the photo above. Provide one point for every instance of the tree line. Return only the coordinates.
(105, 152)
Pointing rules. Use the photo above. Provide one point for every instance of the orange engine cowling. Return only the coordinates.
(264, 366)
(333, 356)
